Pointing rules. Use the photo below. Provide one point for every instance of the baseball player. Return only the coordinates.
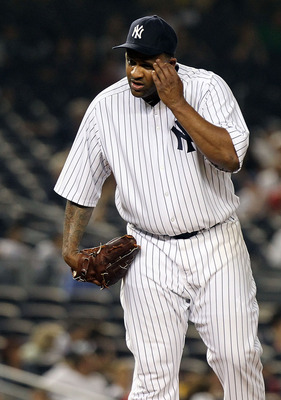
(171, 135)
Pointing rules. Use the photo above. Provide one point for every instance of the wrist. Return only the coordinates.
(179, 107)
(69, 256)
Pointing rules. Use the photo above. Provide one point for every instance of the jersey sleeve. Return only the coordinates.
(86, 168)
(221, 109)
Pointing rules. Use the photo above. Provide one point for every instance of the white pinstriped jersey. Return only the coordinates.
(164, 185)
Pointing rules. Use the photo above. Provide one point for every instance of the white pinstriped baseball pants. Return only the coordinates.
(206, 279)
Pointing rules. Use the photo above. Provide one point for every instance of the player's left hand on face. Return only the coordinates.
(168, 84)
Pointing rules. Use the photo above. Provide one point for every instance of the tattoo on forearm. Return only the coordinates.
(75, 223)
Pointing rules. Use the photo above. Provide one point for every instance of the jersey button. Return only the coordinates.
(172, 219)
(167, 194)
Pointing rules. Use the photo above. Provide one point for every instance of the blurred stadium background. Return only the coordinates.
(55, 56)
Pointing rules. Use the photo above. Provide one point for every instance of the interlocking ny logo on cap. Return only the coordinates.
(138, 30)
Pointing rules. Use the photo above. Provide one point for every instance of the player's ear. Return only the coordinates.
(173, 61)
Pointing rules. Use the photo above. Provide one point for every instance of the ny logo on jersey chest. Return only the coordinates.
(181, 135)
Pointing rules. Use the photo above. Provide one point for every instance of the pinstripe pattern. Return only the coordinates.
(164, 188)
(208, 280)
(160, 189)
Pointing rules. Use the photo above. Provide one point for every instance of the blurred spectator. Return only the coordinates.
(10, 352)
(213, 388)
(274, 334)
(40, 351)
(49, 267)
(75, 332)
(272, 383)
(120, 373)
(69, 123)
(15, 256)
(272, 251)
(271, 339)
(12, 246)
(79, 370)
(201, 385)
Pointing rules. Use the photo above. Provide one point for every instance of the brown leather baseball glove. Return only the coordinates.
(106, 264)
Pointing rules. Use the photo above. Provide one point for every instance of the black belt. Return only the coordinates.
(186, 235)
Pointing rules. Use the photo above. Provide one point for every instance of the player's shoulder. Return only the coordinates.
(100, 100)
(188, 73)
(116, 88)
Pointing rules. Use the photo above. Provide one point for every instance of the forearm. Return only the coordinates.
(213, 141)
(75, 223)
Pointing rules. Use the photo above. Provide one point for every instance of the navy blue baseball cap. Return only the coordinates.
(151, 36)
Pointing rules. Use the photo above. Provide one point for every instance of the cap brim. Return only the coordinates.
(140, 49)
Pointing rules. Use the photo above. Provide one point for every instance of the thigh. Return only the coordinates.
(155, 318)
